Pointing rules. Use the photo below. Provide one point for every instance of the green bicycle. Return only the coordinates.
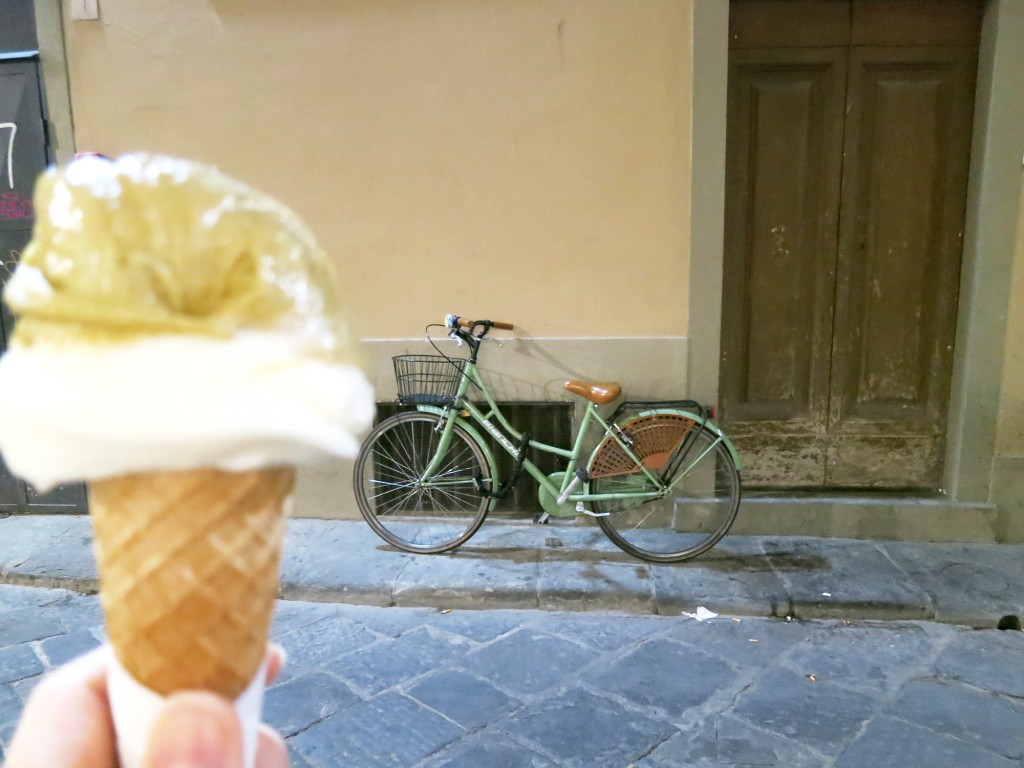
(662, 483)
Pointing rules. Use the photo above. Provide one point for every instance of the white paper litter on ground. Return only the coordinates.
(702, 614)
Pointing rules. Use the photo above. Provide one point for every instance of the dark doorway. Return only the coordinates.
(23, 156)
(849, 125)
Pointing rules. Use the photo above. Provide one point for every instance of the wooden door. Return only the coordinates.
(848, 138)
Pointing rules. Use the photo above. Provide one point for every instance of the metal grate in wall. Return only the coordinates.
(546, 422)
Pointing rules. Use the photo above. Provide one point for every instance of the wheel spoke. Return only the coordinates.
(696, 510)
(409, 510)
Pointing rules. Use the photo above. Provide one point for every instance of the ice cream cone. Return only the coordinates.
(188, 566)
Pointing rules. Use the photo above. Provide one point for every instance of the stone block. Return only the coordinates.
(12, 596)
(467, 578)
(390, 663)
(10, 704)
(467, 700)
(490, 749)
(583, 730)
(726, 741)
(315, 645)
(316, 563)
(966, 583)
(875, 660)
(595, 585)
(991, 659)
(828, 578)
(298, 703)
(390, 730)
(889, 741)
(63, 648)
(526, 662)
(642, 677)
(478, 626)
(749, 643)
(601, 631)
(22, 625)
(18, 662)
(993, 722)
(819, 714)
(733, 577)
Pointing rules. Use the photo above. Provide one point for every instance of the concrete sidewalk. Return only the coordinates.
(574, 567)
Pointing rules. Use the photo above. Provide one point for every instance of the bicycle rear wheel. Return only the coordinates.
(696, 512)
(420, 515)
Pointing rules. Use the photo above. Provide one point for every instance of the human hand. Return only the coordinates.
(67, 724)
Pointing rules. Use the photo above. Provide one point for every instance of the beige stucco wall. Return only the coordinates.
(476, 156)
(1010, 433)
(527, 161)
(537, 140)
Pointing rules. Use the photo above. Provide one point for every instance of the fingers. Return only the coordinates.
(270, 750)
(195, 730)
(201, 730)
(75, 694)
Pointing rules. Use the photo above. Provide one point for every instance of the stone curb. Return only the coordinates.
(576, 568)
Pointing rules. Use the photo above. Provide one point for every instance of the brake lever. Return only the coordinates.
(452, 323)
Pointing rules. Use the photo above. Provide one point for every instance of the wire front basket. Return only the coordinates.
(427, 379)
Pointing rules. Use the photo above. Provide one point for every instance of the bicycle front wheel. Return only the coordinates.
(407, 510)
(698, 509)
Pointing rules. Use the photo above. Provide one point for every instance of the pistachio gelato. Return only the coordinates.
(170, 317)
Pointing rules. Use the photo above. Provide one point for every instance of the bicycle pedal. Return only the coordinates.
(541, 518)
(580, 509)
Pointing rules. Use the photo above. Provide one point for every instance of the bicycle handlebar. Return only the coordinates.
(454, 320)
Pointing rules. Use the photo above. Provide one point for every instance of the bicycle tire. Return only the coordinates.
(687, 521)
(408, 514)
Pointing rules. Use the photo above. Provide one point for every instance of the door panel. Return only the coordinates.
(901, 228)
(792, 24)
(784, 224)
(915, 22)
(784, 161)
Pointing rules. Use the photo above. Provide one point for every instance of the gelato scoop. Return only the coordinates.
(170, 317)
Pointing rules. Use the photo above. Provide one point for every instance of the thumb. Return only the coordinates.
(195, 730)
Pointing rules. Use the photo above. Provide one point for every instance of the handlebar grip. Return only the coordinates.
(463, 323)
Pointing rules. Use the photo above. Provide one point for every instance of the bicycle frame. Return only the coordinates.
(509, 438)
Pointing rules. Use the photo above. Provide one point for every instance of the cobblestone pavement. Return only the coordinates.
(368, 686)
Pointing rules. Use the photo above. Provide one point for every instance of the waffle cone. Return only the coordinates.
(188, 565)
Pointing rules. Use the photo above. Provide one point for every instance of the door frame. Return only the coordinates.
(993, 207)
(56, 91)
